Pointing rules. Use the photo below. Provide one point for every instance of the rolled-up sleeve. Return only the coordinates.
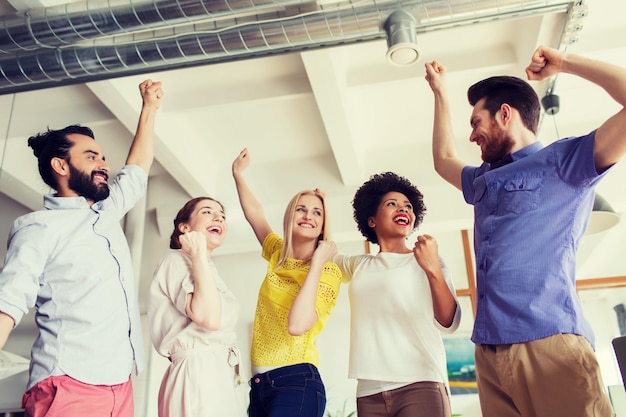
(23, 266)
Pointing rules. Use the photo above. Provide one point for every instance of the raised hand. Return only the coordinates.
(151, 93)
(544, 63)
(241, 162)
(435, 75)
(193, 242)
(426, 252)
(324, 252)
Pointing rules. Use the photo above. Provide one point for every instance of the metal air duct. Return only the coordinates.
(169, 43)
(75, 22)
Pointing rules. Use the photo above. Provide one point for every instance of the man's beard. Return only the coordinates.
(83, 184)
(497, 146)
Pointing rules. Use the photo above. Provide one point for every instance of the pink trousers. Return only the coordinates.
(62, 396)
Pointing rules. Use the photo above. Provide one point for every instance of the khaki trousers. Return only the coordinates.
(420, 399)
(555, 376)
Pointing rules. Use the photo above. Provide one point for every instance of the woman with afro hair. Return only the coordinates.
(401, 300)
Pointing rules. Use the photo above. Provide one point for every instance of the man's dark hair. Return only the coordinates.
(370, 194)
(514, 91)
(54, 144)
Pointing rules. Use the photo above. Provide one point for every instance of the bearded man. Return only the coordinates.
(72, 263)
(534, 348)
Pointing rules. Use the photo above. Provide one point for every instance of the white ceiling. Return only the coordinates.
(324, 118)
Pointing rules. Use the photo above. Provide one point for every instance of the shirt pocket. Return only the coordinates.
(522, 194)
(480, 189)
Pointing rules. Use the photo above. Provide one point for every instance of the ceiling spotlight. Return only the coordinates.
(550, 103)
(402, 46)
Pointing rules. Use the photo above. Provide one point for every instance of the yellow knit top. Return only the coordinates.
(272, 345)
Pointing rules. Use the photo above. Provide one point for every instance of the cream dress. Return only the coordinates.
(202, 378)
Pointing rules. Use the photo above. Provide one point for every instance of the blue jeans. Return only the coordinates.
(289, 391)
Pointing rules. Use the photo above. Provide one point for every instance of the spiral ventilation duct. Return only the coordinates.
(92, 40)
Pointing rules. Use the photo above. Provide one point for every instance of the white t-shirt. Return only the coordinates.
(395, 339)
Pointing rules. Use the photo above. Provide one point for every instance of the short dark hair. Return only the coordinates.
(183, 216)
(54, 144)
(511, 90)
(368, 197)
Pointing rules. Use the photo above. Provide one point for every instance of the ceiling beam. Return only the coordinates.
(329, 90)
(19, 176)
(178, 149)
(16, 189)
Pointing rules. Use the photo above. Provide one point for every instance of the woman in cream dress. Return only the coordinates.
(192, 318)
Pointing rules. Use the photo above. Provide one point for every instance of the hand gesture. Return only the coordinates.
(436, 75)
(193, 242)
(151, 93)
(324, 252)
(241, 162)
(426, 253)
(544, 63)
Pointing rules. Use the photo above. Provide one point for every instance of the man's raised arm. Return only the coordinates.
(610, 142)
(142, 149)
(447, 164)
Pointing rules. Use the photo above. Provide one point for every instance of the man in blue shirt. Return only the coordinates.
(71, 262)
(534, 348)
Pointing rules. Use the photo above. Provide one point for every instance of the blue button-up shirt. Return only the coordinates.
(72, 263)
(529, 217)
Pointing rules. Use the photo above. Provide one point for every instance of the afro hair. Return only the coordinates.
(368, 197)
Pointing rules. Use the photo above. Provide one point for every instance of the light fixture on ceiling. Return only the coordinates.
(402, 46)
(574, 24)
(602, 217)
(551, 104)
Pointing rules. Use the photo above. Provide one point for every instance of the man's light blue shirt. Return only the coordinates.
(529, 217)
(72, 263)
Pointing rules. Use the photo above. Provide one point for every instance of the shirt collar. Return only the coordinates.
(54, 202)
(529, 150)
(522, 153)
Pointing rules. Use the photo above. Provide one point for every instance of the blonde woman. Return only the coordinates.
(295, 300)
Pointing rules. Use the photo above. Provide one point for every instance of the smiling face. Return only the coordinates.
(88, 171)
(493, 140)
(208, 217)
(308, 217)
(394, 218)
